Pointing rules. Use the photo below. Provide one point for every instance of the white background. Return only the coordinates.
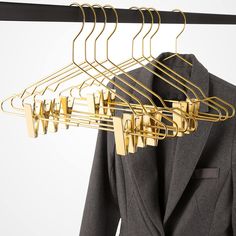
(43, 182)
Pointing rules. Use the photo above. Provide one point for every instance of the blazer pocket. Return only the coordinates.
(206, 173)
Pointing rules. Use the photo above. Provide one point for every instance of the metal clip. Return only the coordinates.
(119, 136)
(38, 111)
(148, 128)
(130, 140)
(123, 129)
(66, 109)
(138, 122)
(109, 98)
(183, 106)
(158, 117)
(46, 112)
(30, 121)
(193, 109)
(101, 102)
(55, 107)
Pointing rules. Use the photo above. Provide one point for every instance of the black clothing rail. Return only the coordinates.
(59, 13)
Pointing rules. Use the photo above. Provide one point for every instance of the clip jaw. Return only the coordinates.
(133, 131)
(46, 115)
(101, 102)
(190, 107)
(36, 118)
(66, 108)
(30, 121)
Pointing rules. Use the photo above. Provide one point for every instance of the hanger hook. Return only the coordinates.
(159, 24)
(75, 4)
(150, 29)
(103, 29)
(94, 25)
(184, 26)
(114, 30)
(141, 28)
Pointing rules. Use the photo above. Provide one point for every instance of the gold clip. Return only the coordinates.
(97, 101)
(109, 98)
(101, 103)
(91, 103)
(148, 127)
(30, 121)
(46, 112)
(55, 107)
(193, 106)
(138, 121)
(158, 117)
(101, 109)
(119, 136)
(125, 141)
(39, 113)
(66, 109)
(130, 140)
(193, 109)
(180, 121)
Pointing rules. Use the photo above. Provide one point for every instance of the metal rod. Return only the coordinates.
(59, 13)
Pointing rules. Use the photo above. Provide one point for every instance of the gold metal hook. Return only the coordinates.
(83, 23)
(114, 30)
(93, 28)
(103, 29)
(150, 29)
(159, 24)
(203, 101)
(185, 22)
(141, 28)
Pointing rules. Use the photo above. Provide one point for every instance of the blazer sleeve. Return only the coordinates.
(101, 213)
(234, 183)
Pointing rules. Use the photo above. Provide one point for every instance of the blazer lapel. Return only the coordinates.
(143, 171)
(189, 147)
(188, 152)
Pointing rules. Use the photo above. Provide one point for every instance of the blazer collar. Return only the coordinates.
(189, 147)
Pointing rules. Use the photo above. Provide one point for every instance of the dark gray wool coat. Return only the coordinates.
(184, 187)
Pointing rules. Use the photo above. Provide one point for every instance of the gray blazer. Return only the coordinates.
(184, 187)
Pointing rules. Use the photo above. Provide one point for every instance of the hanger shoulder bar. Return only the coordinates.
(59, 13)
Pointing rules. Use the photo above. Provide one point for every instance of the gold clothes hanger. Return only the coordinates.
(216, 105)
(150, 59)
(201, 116)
